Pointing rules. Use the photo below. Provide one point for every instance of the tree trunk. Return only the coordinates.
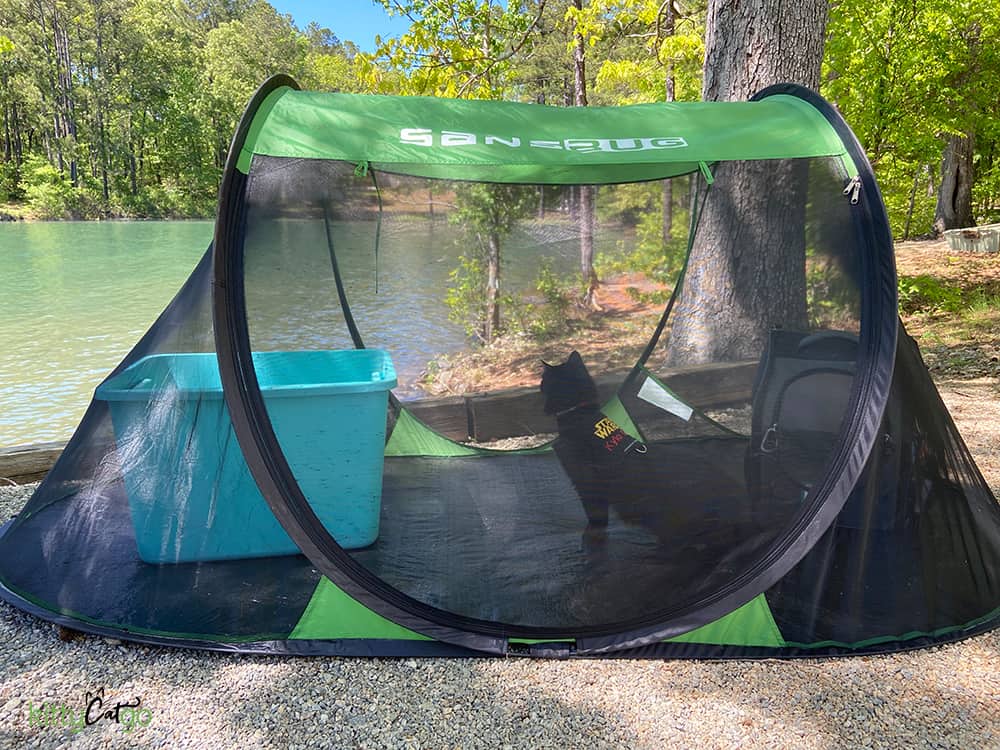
(64, 75)
(8, 150)
(100, 89)
(587, 246)
(669, 24)
(954, 202)
(491, 325)
(668, 211)
(585, 193)
(913, 201)
(50, 67)
(746, 274)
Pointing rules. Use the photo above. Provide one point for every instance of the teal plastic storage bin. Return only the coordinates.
(191, 495)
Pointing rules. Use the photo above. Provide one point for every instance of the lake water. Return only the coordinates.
(76, 296)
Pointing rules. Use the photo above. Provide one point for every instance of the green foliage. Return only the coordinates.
(645, 51)
(466, 294)
(326, 71)
(49, 192)
(926, 293)
(652, 256)
(548, 317)
(906, 74)
(153, 90)
(542, 313)
(465, 48)
(156, 86)
(986, 190)
(241, 53)
(627, 204)
(831, 296)
(10, 182)
(487, 213)
(984, 303)
(486, 209)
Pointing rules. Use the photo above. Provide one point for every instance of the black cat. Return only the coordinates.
(606, 465)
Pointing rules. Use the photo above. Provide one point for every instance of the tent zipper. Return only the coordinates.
(853, 189)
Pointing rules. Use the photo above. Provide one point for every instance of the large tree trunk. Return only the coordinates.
(954, 201)
(746, 274)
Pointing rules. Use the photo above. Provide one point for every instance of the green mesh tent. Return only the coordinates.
(772, 474)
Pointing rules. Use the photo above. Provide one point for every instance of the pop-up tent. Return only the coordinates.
(774, 476)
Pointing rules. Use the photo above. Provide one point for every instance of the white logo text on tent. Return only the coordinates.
(453, 138)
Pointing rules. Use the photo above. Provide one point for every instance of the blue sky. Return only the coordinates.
(355, 20)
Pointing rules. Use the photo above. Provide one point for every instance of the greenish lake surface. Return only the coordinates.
(75, 297)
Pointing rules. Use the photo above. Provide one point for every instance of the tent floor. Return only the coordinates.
(86, 564)
(498, 537)
(494, 537)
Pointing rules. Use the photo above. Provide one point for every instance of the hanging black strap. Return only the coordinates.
(378, 224)
(360, 170)
(696, 211)
(348, 316)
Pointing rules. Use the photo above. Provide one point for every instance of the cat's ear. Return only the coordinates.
(575, 357)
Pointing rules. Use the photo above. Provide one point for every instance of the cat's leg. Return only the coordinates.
(595, 535)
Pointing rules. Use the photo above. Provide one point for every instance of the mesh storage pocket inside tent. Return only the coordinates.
(665, 454)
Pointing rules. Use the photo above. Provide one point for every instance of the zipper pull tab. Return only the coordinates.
(853, 189)
(361, 169)
(769, 443)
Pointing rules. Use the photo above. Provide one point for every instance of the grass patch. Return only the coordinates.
(951, 303)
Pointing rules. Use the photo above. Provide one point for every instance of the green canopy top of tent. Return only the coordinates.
(532, 143)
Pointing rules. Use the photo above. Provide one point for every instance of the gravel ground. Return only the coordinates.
(946, 697)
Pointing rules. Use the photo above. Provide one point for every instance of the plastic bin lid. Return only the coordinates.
(280, 374)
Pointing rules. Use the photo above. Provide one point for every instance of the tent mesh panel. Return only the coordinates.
(648, 490)
(508, 535)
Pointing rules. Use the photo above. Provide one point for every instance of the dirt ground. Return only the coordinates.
(935, 258)
(963, 342)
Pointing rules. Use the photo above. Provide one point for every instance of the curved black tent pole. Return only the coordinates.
(267, 463)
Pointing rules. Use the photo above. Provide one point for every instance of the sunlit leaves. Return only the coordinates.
(458, 49)
(905, 73)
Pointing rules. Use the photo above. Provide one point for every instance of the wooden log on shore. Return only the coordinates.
(448, 415)
(28, 463)
(519, 411)
(481, 417)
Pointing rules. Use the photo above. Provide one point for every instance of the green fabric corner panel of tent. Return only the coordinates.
(274, 469)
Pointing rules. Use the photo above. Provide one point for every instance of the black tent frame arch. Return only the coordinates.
(266, 461)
